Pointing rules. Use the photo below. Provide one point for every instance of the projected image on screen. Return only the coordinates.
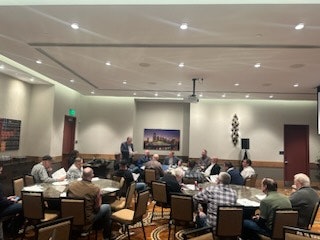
(159, 139)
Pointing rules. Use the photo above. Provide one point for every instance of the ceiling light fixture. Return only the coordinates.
(200, 95)
(179, 83)
(236, 84)
(72, 80)
(247, 96)
(184, 26)
(1, 66)
(32, 79)
(75, 26)
(299, 26)
(156, 94)
(108, 63)
(257, 65)
(134, 94)
(39, 61)
(296, 85)
(181, 64)
(271, 96)
(223, 95)
(124, 82)
(179, 95)
(92, 92)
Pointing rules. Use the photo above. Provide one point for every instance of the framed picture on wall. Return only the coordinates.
(9, 134)
(161, 139)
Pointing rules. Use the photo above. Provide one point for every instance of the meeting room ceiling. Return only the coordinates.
(136, 50)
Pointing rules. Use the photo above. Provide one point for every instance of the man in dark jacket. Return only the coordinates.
(236, 177)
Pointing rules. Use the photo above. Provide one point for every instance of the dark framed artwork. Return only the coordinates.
(9, 134)
(161, 139)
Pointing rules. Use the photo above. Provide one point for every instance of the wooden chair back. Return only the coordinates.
(149, 176)
(18, 184)
(224, 214)
(181, 207)
(159, 192)
(71, 207)
(59, 229)
(283, 217)
(28, 180)
(314, 214)
(141, 205)
(130, 195)
(251, 181)
(33, 205)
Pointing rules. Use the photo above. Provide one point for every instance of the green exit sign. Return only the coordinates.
(72, 112)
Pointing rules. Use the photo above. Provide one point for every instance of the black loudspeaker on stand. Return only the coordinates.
(245, 144)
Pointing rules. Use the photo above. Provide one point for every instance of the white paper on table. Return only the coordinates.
(59, 173)
(143, 167)
(214, 178)
(135, 176)
(62, 183)
(34, 188)
(260, 196)
(109, 189)
(63, 194)
(94, 179)
(248, 203)
(189, 186)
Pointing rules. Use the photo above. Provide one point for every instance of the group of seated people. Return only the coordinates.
(303, 197)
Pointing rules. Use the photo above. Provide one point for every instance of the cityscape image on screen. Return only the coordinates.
(160, 139)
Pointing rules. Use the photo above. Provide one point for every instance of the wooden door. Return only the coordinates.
(296, 151)
(68, 139)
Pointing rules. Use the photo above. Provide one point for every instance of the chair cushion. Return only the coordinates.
(118, 204)
(49, 216)
(123, 216)
(207, 236)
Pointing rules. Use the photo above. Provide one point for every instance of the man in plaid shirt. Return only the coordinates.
(213, 196)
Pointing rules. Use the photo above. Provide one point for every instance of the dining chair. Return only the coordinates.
(251, 181)
(34, 210)
(282, 217)
(28, 180)
(17, 184)
(76, 208)
(204, 233)
(181, 211)
(159, 195)
(124, 202)
(223, 228)
(314, 214)
(128, 217)
(59, 229)
(293, 233)
(149, 176)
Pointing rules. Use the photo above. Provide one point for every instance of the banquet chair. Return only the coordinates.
(159, 194)
(251, 181)
(124, 202)
(282, 217)
(293, 233)
(223, 228)
(149, 176)
(122, 186)
(28, 180)
(181, 211)
(75, 207)
(17, 184)
(128, 217)
(204, 233)
(58, 229)
(34, 210)
(314, 214)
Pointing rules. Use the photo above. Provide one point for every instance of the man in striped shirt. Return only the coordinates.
(214, 196)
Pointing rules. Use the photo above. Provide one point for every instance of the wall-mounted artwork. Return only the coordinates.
(161, 139)
(9, 134)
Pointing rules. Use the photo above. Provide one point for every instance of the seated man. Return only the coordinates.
(236, 177)
(193, 172)
(96, 213)
(10, 207)
(213, 168)
(213, 196)
(303, 199)
(76, 169)
(247, 170)
(262, 224)
(173, 180)
(156, 165)
(171, 159)
(40, 171)
(140, 162)
(128, 177)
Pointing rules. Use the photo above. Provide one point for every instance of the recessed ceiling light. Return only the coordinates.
(75, 25)
(72, 80)
(296, 85)
(39, 61)
(134, 94)
(1, 66)
(236, 84)
(179, 83)
(257, 65)
(299, 26)
(271, 96)
(124, 82)
(179, 95)
(156, 94)
(181, 64)
(108, 63)
(92, 92)
(32, 79)
(247, 96)
(201, 95)
(223, 95)
(184, 26)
